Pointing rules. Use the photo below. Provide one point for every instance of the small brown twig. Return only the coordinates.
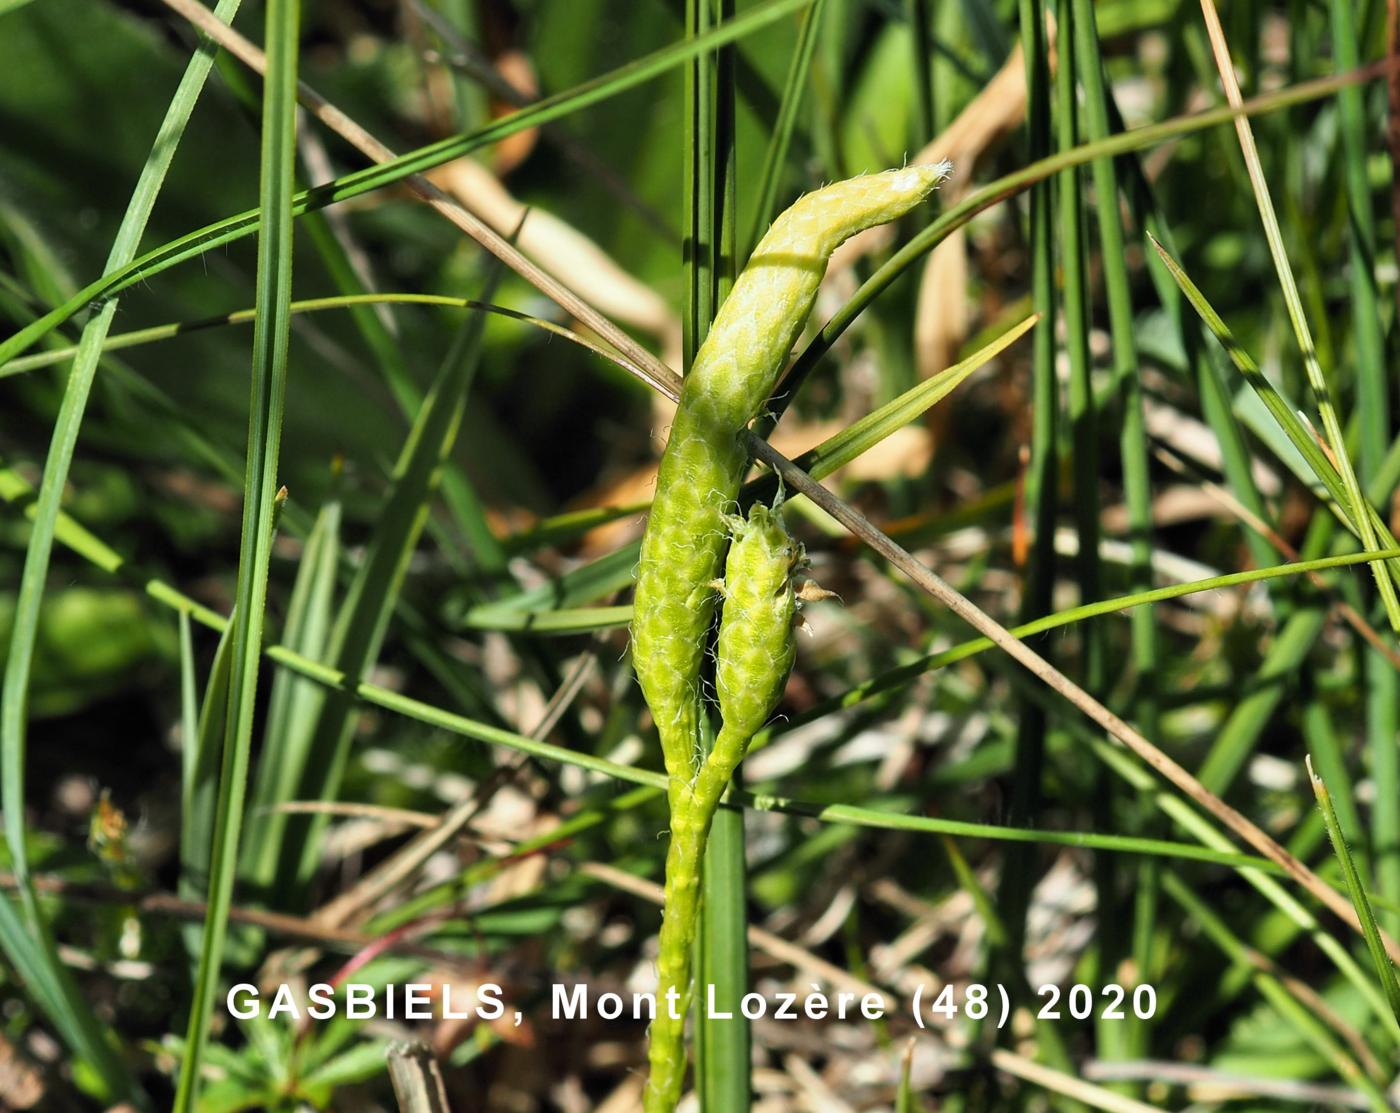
(417, 1080)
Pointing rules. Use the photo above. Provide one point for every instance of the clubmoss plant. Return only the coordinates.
(688, 533)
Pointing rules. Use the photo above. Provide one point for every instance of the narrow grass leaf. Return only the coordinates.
(93, 1043)
(1373, 412)
(1385, 971)
(1300, 435)
(775, 157)
(1360, 511)
(294, 704)
(260, 497)
(199, 786)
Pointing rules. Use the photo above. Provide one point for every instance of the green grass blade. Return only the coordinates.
(154, 333)
(1123, 1040)
(189, 701)
(51, 986)
(921, 66)
(1385, 971)
(723, 1052)
(1329, 759)
(1110, 943)
(1040, 490)
(270, 337)
(1284, 414)
(1373, 411)
(1235, 741)
(905, 1100)
(865, 433)
(293, 706)
(775, 158)
(556, 622)
(199, 787)
(93, 1044)
(1080, 409)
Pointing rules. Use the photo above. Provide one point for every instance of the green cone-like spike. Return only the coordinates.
(756, 627)
(735, 371)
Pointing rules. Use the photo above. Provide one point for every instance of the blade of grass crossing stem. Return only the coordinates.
(377, 177)
(92, 1043)
(1357, 891)
(775, 158)
(615, 570)
(293, 707)
(199, 789)
(1289, 1009)
(189, 699)
(1284, 414)
(1373, 410)
(363, 618)
(1124, 1040)
(260, 498)
(722, 1049)
(1355, 499)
